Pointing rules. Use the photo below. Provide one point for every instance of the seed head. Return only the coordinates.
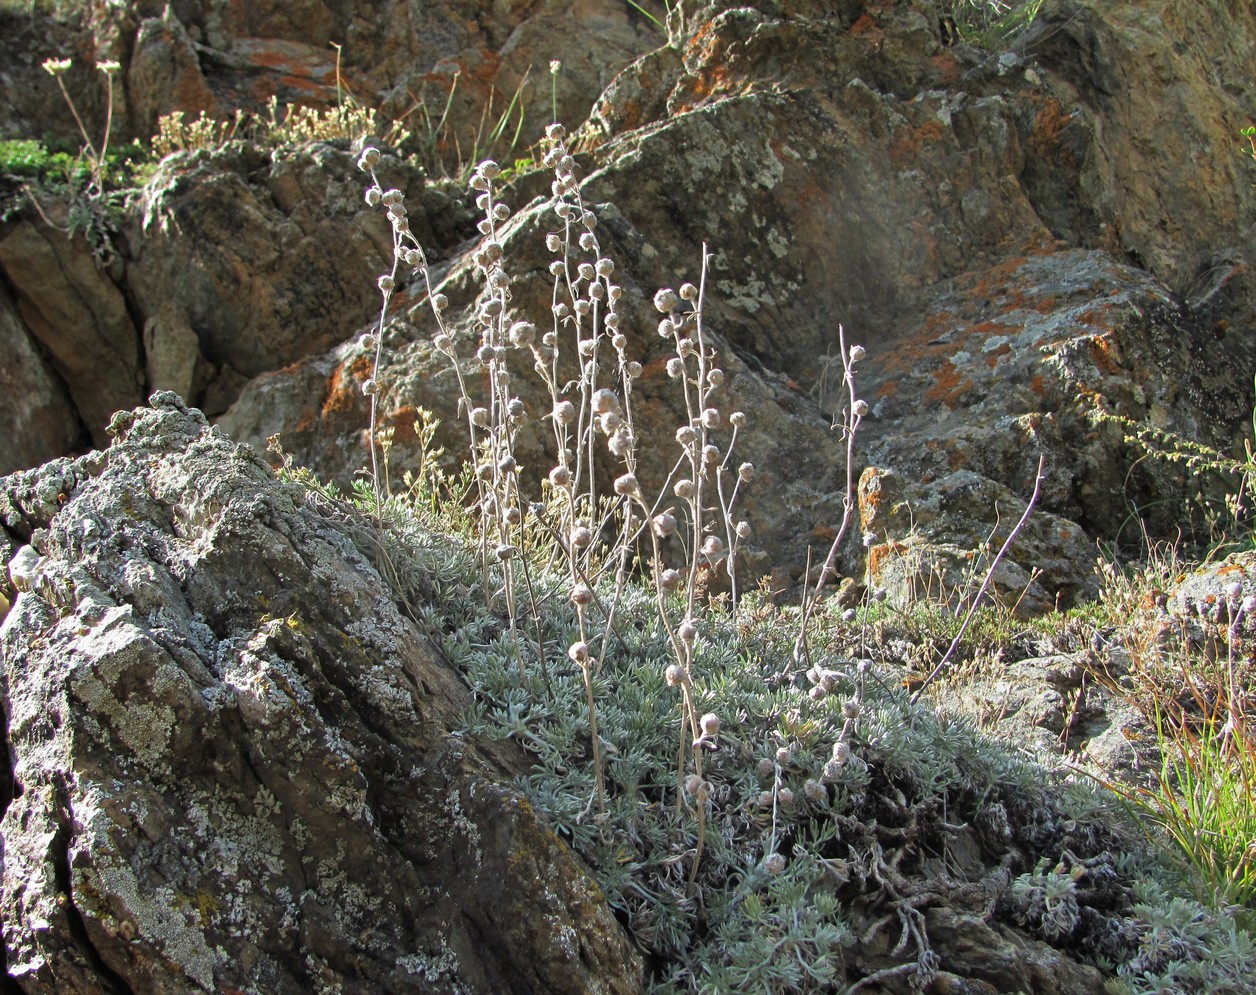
(522, 334)
(505, 551)
(666, 300)
(685, 489)
(440, 302)
(857, 352)
(784, 756)
(582, 595)
(711, 417)
(489, 169)
(555, 132)
(627, 486)
(578, 651)
(604, 400)
(480, 417)
(675, 367)
(869, 539)
(852, 710)
(373, 196)
(560, 476)
(370, 388)
(737, 419)
(386, 283)
(688, 292)
(621, 441)
(676, 675)
(633, 370)
(669, 579)
(687, 631)
(815, 791)
(743, 530)
(392, 197)
(786, 797)
(604, 267)
(746, 472)
(564, 412)
(710, 454)
(860, 408)
(664, 524)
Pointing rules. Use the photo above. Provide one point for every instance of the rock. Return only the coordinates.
(41, 422)
(164, 75)
(234, 761)
(79, 317)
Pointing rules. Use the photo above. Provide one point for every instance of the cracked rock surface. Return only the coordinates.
(230, 758)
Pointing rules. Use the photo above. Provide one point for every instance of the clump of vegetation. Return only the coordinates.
(80, 193)
(763, 800)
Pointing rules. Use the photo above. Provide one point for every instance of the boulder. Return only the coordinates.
(233, 764)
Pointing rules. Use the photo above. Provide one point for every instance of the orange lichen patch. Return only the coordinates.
(946, 67)
(402, 423)
(1105, 354)
(994, 355)
(1038, 385)
(1044, 134)
(993, 328)
(344, 387)
(881, 554)
(949, 385)
(887, 389)
(909, 142)
(868, 29)
(308, 420)
(709, 81)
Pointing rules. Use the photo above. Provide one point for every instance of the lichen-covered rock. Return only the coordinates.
(231, 761)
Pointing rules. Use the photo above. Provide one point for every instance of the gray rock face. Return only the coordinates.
(231, 764)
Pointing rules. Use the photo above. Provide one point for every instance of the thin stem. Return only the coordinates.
(972, 609)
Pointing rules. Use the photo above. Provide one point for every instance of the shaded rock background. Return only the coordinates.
(232, 764)
(1023, 239)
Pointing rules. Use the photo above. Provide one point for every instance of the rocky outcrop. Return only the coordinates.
(232, 763)
(1026, 241)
